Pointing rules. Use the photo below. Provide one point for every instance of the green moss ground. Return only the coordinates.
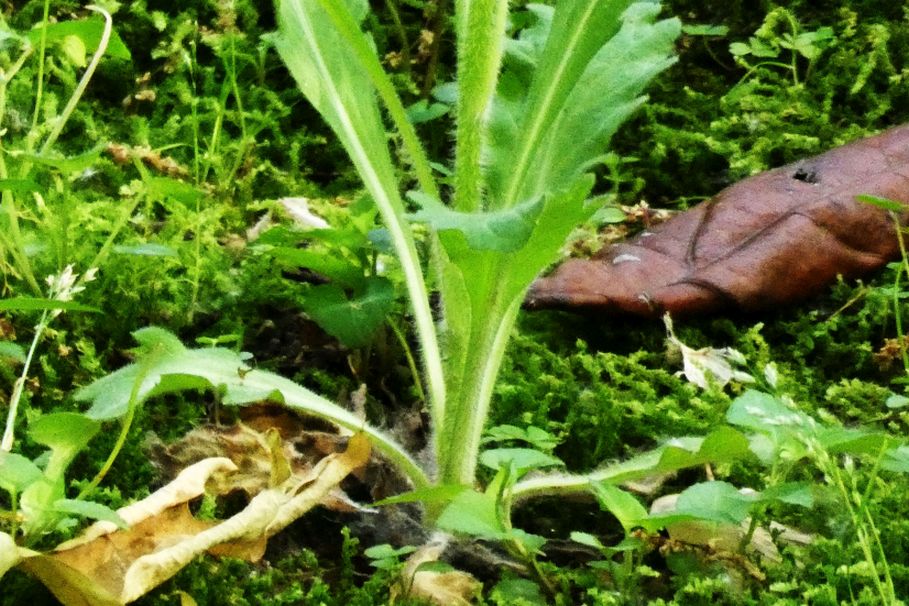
(605, 386)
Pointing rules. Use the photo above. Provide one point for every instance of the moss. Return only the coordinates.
(711, 122)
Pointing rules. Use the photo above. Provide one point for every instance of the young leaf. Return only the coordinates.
(88, 509)
(66, 164)
(885, 203)
(715, 501)
(521, 459)
(624, 506)
(145, 249)
(759, 411)
(34, 303)
(577, 86)
(793, 493)
(506, 230)
(66, 434)
(353, 319)
(332, 267)
(440, 493)
(17, 472)
(896, 459)
(722, 445)
(161, 188)
(473, 513)
(13, 351)
(88, 31)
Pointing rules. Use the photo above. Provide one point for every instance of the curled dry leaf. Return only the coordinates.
(772, 239)
(114, 568)
(269, 444)
(446, 588)
(700, 366)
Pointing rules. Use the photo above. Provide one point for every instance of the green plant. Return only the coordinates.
(784, 437)
(519, 178)
(37, 488)
(779, 33)
(520, 185)
(31, 169)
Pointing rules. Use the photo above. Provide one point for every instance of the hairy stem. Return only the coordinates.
(481, 37)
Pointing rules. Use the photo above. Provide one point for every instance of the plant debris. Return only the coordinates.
(772, 239)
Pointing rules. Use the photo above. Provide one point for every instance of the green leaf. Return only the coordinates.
(588, 539)
(885, 203)
(519, 591)
(164, 365)
(88, 509)
(441, 493)
(352, 319)
(853, 440)
(384, 551)
(424, 111)
(721, 446)
(74, 49)
(332, 73)
(19, 186)
(89, 31)
(896, 459)
(66, 434)
(607, 215)
(34, 303)
(473, 513)
(504, 231)
(705, 30)
(624, 506)
(532, 543)
(562, 77)
(716, 502)
(160, 188)
(334, 267)
(563, 210)
(17, 472)
(739, 49)
(539, 438)
(521, 459)
(146, 249)
(13, 351)
(793, 493)
(386, 557)
(897, 401)
(35, 505)
(762, 412)
(65, 164)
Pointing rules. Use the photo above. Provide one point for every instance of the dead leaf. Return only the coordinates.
(261, 461)
(446, 588)
(270, 444)
(772, 239)
(700, 366)
(123, 154)
(112, 568)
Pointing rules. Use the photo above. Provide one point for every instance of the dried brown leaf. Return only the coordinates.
(109, 568)
(448, 588)
(772, 239)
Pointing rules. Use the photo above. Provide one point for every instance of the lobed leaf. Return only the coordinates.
(579, 68)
